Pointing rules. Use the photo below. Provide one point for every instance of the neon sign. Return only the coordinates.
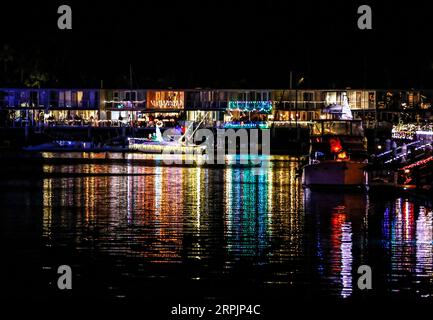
(260, 106)
(163, 104)
(165, 99)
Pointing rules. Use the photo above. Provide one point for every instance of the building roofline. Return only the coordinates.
(222, 89)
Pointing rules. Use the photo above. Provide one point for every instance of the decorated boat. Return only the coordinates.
(172, 145)
(338, 152)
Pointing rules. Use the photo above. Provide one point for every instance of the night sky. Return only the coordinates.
(218, 44)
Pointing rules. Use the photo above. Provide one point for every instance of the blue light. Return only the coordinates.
(260, 106)
(245, 125)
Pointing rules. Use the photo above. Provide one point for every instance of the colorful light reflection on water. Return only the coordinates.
(125, 226)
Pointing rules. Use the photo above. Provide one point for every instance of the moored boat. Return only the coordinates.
(157, 144)
(175, 147)
(335, 173)
(338, 154)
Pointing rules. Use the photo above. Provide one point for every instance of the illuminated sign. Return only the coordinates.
(166, 104)
(165, 99)
(260, 106)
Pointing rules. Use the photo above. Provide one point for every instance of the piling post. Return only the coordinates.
(26, 133)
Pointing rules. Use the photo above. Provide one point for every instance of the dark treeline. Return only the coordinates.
(225, 44)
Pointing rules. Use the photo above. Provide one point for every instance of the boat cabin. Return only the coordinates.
(340, 140)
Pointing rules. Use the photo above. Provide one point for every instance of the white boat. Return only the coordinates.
(338, 154)
(157, 144)
(335, 173)
(150, 146)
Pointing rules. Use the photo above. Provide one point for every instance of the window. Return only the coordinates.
(73, 99)
(116, 95)
(68, 98)
(61, 99)
(130, 96)
(371, 100)
(54, 99)
(358, 104)
(33, 98)
(80, 98)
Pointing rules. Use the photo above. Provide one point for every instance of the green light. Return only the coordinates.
(260, 106)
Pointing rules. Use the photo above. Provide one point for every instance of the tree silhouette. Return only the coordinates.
(6, 56)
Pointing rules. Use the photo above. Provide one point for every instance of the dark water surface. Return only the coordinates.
(150, 232)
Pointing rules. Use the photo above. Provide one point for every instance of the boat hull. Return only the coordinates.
(335, 173)
(173, 148)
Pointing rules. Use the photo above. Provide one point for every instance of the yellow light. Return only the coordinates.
(342, 155)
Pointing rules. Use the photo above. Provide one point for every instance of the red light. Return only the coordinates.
(417, 164)
(335, 145)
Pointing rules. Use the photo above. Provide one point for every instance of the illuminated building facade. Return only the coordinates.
(304, 106)
(206, 105)
(212, 107)
(165, 106)
(404, 105)
(216, 107)
(28, 106)
(123, 105)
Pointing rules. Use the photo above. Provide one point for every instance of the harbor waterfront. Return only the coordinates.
(232, 107)
(269, 194)
(131, 228)
(100, 117)
(185, 160)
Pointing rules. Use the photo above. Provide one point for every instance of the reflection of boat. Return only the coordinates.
(157, 144)
(151, 146)
(324, 202)
(338, 154)
(337, 216)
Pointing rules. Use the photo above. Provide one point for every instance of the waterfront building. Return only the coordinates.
(142, 108)
(296, 107)
(370, 105)
(300, 107)
(211, 107)
(362, 102)
(206, 105)
(122, 106)
(231, 107)
(397, 106)
(249, 108)
(165, 106)
(28, 106)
